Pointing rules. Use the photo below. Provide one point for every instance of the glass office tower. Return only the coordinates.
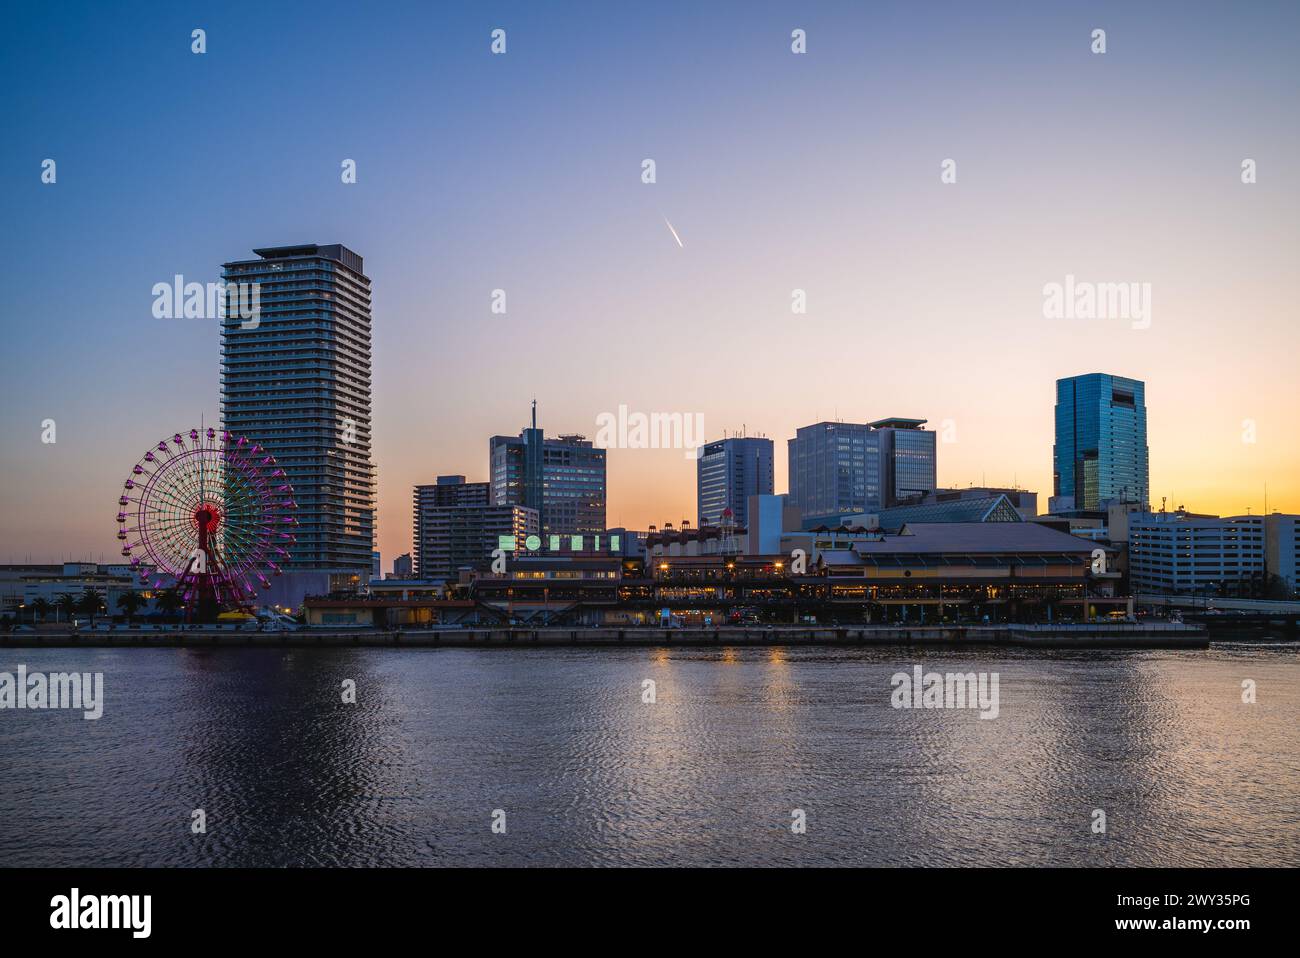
(908, 459)
(1101, 440)
(563, 479)
(848, 468)
(298, 381)
(727, 473)
(835, 469)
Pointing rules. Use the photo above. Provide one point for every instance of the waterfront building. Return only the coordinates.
(926, 572)
(1183, 553)
(403, 566)
(21, 585)
(727, 473)
(1101, 442)
(1007, 571)
(923, 573)
(698, 540)
(297, 381)
(562, 479)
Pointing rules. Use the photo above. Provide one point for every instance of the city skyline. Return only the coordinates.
(608, 306)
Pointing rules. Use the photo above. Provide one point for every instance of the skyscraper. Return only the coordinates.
(452, 491)
(908, 466)
(1101, 441)
(563, 479)
(834, 469)
(848, 468)
(297, 380)
(727, 473)
(432, 524)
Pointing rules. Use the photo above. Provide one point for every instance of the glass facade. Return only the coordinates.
(835, 469)
(908, 456)
(983, 509)
(845, 468)
(563, 479)
(727, 473)
(298, 382)
(1101, 440)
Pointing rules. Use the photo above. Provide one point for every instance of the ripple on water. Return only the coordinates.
(587, 773)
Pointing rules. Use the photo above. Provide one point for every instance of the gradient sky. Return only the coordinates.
(522, 172)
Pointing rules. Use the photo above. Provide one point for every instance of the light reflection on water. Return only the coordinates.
(587, 774)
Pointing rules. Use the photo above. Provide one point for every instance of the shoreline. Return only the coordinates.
(1097, 636)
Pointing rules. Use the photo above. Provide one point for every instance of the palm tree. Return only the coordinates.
(130, 602)
(168, 602)
(90, 602)
(65, 603)
(40, 608)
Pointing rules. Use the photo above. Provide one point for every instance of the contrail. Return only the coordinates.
(674, 232)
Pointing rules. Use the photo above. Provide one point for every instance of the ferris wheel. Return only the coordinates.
(213, 514)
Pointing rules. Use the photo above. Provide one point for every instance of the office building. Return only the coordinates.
(1101, 442)
(908, 460)
(727, 473)
(834, 469)
(1183, 553)
(562, 479)
(844, 468)
(297, 380)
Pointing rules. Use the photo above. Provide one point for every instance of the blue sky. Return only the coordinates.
(521, 172)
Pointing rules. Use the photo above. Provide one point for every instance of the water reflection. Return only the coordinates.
(590, 772)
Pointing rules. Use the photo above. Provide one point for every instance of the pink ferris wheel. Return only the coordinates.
(209, 515)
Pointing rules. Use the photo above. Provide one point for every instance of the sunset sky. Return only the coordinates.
(779, 171)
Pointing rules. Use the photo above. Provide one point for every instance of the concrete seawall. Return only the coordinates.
(1075, 636)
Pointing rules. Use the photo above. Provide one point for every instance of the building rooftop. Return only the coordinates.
(335, 251)
(898, 423)
(975, 537)
(996, 508)
(976, 509)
